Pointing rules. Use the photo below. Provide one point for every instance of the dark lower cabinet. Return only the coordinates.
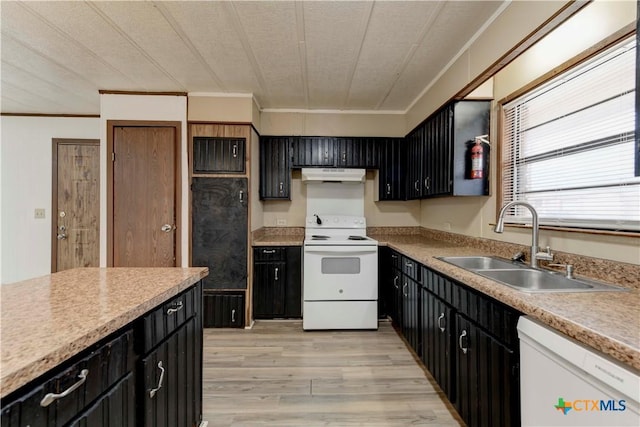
(437, 332)
(169, 373)
(223, 309)
(147, 374)
(411, 313)
(219, 230)
(277, 282)
(486, 378)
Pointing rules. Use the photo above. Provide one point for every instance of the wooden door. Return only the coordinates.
(76, 204)
(144, 196)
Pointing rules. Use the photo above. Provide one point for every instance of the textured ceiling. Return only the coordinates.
(340, 55)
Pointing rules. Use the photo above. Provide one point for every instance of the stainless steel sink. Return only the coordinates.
(524, 278)
(480, 262)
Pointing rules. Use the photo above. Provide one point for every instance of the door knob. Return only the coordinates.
(167, 228)
(61, 236)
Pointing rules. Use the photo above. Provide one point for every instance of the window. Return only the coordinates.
(568, 146)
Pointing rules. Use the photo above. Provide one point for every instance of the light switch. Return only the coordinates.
(39, 213)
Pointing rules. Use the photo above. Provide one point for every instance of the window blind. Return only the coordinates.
(568, 146)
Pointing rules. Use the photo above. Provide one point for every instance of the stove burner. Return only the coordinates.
(319, 237)
(357, 238)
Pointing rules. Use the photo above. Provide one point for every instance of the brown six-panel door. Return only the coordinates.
(144, 196)
(76, 204)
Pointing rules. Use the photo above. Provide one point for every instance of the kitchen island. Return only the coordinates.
(56, 327)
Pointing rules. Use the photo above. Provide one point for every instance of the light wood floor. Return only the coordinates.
(278, 375)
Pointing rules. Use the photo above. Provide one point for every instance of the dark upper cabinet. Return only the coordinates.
(277, 282)
(439, 152)
(275, 169)
(357, 152)
(219, 231)
(218, 155)
(309, 151)
(391, 160)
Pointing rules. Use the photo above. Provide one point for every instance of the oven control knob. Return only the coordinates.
(335, 220)
(340, 291)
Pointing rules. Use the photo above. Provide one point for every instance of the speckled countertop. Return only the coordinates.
(49, 319)
(606, 321)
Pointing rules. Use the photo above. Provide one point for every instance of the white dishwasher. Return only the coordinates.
(563, 383)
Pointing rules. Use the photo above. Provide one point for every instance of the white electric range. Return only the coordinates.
(340, 278)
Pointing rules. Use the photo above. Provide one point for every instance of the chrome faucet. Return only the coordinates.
(535, 254)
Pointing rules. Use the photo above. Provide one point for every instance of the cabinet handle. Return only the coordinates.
(268, 251)
(344, 157)
(175, 309)
(235, 150)
(241, 196)
(427, 182)
(276, 273)
(233, 315)
(326, 155)
(281, 187)
(388, 188)
(415, 185)
(440, 319)
(462, 335)
(395, 281)
(49, 398)
(153, 391)
(403, 288)
(394, 256)
(409, 264)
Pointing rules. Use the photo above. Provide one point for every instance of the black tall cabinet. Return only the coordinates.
(219, 231)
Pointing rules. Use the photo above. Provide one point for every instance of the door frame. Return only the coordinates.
(177, 126)
(55, 142)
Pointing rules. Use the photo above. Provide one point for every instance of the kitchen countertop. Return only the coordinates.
(605, 321)
(47, 320)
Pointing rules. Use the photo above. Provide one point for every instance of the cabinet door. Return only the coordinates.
(470, 119)
(114, 409)
(357, 152)
(223, 310)
(441, 151)
(390, 175)
(313, 151)
(415, 164)
(269, 290)
(275, 171)
(218, 155)
(487, 388)
(437, 325)
(170, 377)
(410, 312)
(219, 231)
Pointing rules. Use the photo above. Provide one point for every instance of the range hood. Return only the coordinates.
(314, 175)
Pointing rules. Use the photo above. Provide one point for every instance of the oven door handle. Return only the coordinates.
(334, 250)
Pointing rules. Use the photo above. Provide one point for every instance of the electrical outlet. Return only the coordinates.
(281, 222)
(39, 213)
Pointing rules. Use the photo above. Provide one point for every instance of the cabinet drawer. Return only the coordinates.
(269, 254)
(218, 155)
(87, 378)
(396, 260)
(411, 268)
(162, 321)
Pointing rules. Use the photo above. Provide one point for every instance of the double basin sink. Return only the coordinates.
(525, 278)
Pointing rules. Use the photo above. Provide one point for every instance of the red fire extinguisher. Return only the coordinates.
(477, 158)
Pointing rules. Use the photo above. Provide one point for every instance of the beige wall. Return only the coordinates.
(474, 216)
(234, 108)
(292, 213)
(331, 123)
